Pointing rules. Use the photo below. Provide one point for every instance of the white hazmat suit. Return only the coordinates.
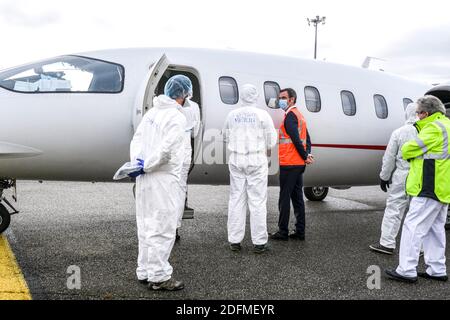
(396, 168)
(249, 132)
(191, 111)
(159, 142)
(423, 226)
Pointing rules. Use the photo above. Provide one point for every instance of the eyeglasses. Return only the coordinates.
(283, 98)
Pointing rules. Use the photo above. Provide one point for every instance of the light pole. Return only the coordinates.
(315, 21)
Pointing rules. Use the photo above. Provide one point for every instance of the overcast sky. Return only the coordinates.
(413, 37)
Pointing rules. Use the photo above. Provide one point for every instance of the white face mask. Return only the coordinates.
(186, 102)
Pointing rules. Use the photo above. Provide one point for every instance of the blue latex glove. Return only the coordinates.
(138, 173)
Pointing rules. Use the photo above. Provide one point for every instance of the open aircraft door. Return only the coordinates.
(146, 94)
(442, 92)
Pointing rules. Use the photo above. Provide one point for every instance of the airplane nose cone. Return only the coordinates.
(9, 149)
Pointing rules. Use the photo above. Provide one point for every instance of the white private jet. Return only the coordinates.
(72, 117)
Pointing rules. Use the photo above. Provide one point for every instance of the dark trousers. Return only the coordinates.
(291, 188)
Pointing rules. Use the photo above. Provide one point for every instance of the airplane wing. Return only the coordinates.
(13, 151)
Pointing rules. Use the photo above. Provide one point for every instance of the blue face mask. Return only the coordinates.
(283, 104)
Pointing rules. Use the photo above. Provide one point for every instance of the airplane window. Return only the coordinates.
(65, 74)
(228, 90)
(381, 107)
(348, 103)
(406, 101)
(271, 91)
(312, 99)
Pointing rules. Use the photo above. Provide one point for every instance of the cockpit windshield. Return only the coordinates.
(65, 74)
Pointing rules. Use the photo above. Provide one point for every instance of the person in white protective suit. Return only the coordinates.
(159, 142)
(395, 169)
(250, 133)
(191, 111)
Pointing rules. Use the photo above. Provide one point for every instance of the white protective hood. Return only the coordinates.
(163, 102)
(410, 113)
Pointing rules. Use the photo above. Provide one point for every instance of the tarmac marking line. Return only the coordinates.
(12, 282)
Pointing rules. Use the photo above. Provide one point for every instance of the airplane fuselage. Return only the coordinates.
(85, 136)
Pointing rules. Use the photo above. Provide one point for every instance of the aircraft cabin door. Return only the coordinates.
(145, 100)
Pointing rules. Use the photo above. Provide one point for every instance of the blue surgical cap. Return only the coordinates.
(178, 86)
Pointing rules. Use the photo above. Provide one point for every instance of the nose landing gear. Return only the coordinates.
(5, 218)
(5, 215)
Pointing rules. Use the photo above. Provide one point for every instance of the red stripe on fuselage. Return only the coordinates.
(350, 146)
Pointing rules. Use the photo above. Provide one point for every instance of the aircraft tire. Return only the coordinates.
(5, 218)
(315, 193)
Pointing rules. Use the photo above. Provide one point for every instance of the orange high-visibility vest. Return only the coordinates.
(287, 153)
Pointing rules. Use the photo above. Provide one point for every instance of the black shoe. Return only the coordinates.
(169, 285)
(392, 274)
(235, 246)
(278, 236)
(143, 281)
(381, 249)
(188, 213)
(427, 276)
(297, 236)
(260, 248)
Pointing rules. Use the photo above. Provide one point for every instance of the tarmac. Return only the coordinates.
(77, 240)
